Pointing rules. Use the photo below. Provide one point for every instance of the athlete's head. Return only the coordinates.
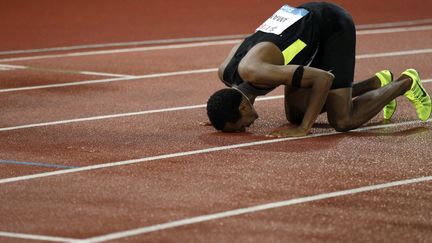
(230, 111)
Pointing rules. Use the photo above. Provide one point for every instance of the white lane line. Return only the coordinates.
(119, 115)
(193, 152)
(125, 50)
(189, 45)
(395, 53)
(6, 67)
(64, 84)
(394, 30)
(137, 113)
(36, 237)
(252, 209)
(12, 66)
(196, 71)
(146, 76)
(105, 74)
(126, 44)
(394, 24)
(16, 67)
(195, 39)
(95, 118)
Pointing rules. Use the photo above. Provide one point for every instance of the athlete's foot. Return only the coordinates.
(385, 76)
(418, 96)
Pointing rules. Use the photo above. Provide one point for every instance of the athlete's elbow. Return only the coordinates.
(317, 78)
(249, 72)
(326, 80)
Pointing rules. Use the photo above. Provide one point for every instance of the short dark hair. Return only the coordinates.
(223, 107)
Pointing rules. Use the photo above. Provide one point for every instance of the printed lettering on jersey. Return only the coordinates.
(282, 19)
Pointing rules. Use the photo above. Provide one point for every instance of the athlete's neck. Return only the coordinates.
(250, 97)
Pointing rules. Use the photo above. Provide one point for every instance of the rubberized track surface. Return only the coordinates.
(102, 143)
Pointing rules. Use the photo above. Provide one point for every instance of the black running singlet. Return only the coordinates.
(324, 38)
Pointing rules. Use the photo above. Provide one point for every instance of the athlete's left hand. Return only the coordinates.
(292, 132)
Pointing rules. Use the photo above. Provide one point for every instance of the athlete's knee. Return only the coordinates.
(341, 124)
(249, 71)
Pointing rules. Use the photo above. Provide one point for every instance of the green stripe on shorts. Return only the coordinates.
(291, 51)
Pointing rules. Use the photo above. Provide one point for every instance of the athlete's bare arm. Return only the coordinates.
(263, 67)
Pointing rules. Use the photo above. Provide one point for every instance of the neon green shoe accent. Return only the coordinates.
(418, 96)
(385, 76)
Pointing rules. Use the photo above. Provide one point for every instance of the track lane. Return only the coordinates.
(86, 60)
(399, 213)
(100, 143)
(24, 78)
(155, 93)
(412, 132)
(161, 191)
(62, 49)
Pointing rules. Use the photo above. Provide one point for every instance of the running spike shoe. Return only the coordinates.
(385, 76)
(418, 96)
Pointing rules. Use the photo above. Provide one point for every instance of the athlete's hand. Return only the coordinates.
(292, 132)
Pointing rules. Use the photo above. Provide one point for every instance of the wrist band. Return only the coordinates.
(297, 77)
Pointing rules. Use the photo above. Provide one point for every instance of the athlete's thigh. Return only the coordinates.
(339, 105)
(337, 54)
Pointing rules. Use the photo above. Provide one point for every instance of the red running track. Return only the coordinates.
(151, 190)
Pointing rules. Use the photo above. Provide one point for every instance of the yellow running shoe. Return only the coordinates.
(385, 76)
(418, 96)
